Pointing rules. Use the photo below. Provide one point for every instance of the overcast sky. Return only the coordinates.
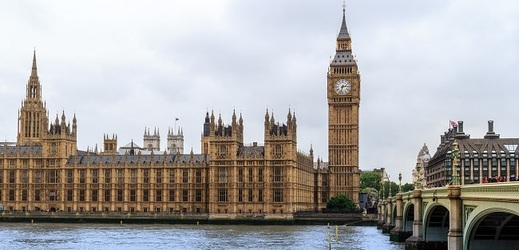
(122, 66)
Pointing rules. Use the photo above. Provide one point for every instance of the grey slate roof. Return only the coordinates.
(24, 150)
(343, 33)
(343, 58)
(251, 151)
(133, 159)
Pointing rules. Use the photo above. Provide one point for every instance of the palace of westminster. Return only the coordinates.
(44, 171)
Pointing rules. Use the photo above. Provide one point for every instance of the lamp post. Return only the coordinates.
(389, 181)
(400, 182)
(455, 156)
(383, 189)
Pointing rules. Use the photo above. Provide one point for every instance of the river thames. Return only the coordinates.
(132, 236)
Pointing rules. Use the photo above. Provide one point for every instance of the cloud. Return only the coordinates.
(123, 66)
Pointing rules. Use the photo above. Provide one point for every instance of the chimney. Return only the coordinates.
(460, 134)
(490, 133)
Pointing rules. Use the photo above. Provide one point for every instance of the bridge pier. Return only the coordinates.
(386, 228)
(398, 233)
(455, 236)
(382, 215)
(416, 240)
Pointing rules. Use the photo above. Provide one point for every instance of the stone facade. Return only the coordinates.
(44, 170)
(343, 91)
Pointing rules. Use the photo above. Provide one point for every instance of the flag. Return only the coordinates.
(453, 123)
(176, 119)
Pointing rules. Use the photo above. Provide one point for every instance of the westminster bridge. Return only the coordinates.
(477, 216)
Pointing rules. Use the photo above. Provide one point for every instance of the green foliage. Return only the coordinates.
(394, 188)
(407, 187)
(341, 203)
(370, 180)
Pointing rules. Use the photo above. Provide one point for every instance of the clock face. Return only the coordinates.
(342, 86)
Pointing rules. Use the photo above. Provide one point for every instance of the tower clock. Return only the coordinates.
(343, 92)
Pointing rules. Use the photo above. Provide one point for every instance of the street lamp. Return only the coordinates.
(400, 182)
(383, 189)
(455, 156)
(389, 181)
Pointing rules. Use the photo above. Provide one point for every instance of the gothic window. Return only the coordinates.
(171, 195)
(107, 175)
(133, 195)
(37, 195)
(146, 176)
(70, 193)
(53, 149)
(172, 176)
(240, 195)
(198, 176)
(12, 176)
(158, 195)
(260, 174)
(278, 151)
(240, 174)
(260, 195)
(25, 176)
(251, 176)
(278, 174)
(94, 195)
(185, 176)
(120, 176)
(24, 194)
(70, 175)
(185, 195)
(82, 176)
(133, 176)
(250, 197)
(81, 195)
(145, 195)
(11, 194)
(198, 195)
(223, 151)
(53, 195)
(222, 174)
(107, 194)
(278, 195)
(159, 175)
(95, 173)
(222, 194)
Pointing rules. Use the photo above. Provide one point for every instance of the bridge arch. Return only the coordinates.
(493, 228)
(408, 217)
(393, 215)
(436, 223)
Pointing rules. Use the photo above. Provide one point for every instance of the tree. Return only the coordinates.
(341, 203)
(407, 187)
(370, 180)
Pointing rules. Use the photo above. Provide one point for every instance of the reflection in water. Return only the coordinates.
(126, 236)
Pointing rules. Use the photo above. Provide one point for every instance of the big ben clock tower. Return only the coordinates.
(343, 91)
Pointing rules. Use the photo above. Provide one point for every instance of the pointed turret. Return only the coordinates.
(343, 55)
(234, 118)
(34, 72)
(343, 33)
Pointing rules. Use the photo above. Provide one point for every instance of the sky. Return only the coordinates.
(121, 66)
